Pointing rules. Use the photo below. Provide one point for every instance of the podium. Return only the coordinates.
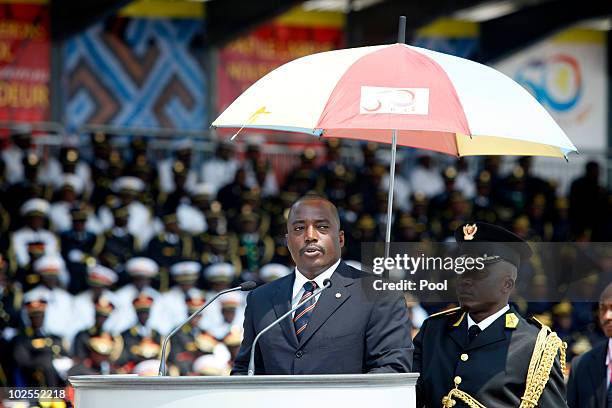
(307, 391)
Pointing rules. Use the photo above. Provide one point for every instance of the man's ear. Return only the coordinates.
(508, 284)
(341, 238)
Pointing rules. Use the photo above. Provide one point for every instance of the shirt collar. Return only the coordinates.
(300, 279)
(489, 320)
(609, 353)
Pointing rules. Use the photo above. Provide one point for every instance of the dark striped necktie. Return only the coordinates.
(302, 314)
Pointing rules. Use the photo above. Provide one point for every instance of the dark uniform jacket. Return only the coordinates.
(34, 353)
(350, 331)
(492, 368)
(133, 353)
(588, 382)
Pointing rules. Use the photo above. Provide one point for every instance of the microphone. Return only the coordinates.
(251, 370)
(245, 287)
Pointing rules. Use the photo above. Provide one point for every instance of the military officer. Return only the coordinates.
(190, 341)
(60, 304)
(185, 274)
(479, 355)
(35, 212)
(81, 345)
(140, 342)
(35, 349)
(100, 279)
(169, 247)
(79, 247)
(119, 243)
(141, 272)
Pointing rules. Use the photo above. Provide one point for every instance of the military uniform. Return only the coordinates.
(35, 350)
(119, 243)
(490, 363)
(492, 369)
(168, 248)
(140, 342)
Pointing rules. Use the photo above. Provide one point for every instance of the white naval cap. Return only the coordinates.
(35, 206)
(73, 181)
(128, 183)
(210, 364)
(101, 275)
(50, 265)
(273, 271)
(146, 368)
(142, 267)
(231, 300)
(220, 272)
(185, 271)
(202, 189)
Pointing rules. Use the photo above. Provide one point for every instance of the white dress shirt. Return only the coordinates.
(489, 320)
(300, 280)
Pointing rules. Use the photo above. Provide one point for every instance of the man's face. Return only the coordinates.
(100, 320)
(480, 290)
(228, 314)
(143, 316)
(37, 319)
(313, 236)
(605, 314)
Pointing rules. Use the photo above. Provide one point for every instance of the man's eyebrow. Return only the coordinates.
(304, 221)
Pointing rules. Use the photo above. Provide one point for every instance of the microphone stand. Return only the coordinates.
(162, 362)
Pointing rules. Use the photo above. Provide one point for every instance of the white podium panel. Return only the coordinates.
(303, 391)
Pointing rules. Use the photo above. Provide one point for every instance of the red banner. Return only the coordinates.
(247, 59)
(25, 55)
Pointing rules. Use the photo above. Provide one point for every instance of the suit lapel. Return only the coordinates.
(599, 374)
(282, 303)
(492, 334)
(328, 301)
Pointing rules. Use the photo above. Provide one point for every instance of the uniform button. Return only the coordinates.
(457, 380)
(464, 357)
(299, 353)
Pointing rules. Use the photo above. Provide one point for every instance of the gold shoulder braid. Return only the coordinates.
(542, 360)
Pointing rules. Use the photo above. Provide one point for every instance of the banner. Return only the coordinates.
(137, 72)
(567, 75)
(299, 33)
(25, 52)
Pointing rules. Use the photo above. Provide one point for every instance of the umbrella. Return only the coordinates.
(404, 95)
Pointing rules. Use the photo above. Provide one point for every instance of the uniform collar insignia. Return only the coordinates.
(511, 321)
(458, 322)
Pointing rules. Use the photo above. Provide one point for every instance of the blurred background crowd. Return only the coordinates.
(104, 247)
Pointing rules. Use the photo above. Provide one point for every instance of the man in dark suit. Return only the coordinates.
(590, 382)
(345, 331)
(482, 350)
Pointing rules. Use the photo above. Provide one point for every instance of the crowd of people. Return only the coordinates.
(103, 253)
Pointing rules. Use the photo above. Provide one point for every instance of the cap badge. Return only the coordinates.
(469, 231)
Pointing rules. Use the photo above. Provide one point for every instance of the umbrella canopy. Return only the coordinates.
(431, 100)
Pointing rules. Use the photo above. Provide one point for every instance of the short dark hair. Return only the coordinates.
(317, 197)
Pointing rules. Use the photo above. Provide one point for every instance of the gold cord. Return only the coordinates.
(542, 361)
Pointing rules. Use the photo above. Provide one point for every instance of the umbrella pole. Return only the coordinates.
(390, 195)
(401, 38)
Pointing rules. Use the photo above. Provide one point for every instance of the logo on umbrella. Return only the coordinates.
(403, 101)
